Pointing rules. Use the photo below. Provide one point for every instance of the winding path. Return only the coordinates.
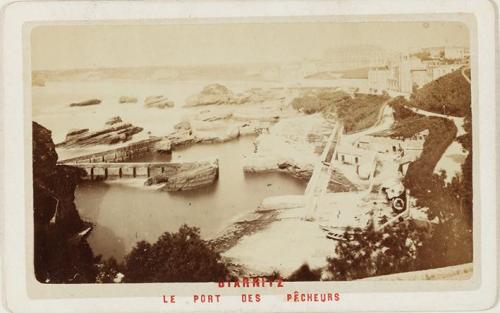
(454, 148)
(464, 75)
(459, 121)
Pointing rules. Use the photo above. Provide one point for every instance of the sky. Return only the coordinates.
(96, 46)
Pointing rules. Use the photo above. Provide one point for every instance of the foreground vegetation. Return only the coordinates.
(180, 256)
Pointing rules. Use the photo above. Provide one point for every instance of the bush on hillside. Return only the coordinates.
(322, 101)
(308, 104)
(449, 94)
(361, 112)
(357, 113)
(304, 273)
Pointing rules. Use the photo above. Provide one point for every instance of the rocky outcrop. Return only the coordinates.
(58, 257)
(115, 132)
(85, 103)
(183, 125)
(75, 132)
(217, 135)
(292, 146)
(215, 94)
(211, 115)
(160, 102)
(186, 176)
(163, 146)
(214, 126)
(126, 99)
(259, 164)
(301, 171)
(254, 128)
(211, 132)
(113, 120)
(255, 116)
(181, 137)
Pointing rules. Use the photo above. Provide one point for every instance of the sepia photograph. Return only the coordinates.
(291, 151)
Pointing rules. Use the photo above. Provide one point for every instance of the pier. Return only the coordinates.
(113, 170)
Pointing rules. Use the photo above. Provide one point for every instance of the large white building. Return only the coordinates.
(402, 73)
(394, 76)
(443, 69)
(378, 79)
(456, 53)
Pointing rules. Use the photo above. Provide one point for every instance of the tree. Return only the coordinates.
(449, 244)
(368, 252)
(304, 273)
(176, 257)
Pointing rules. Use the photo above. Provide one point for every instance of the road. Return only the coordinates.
(465, 75)
(446, 162)
(459, 121)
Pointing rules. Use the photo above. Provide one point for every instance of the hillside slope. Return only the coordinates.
(449, 94)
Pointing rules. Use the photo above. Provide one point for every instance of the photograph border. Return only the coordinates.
(21, 16)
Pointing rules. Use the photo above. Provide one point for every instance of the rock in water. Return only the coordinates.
(111, 134)
(163, 146)
(113, 120)
(186, 176)
(181, 137)
(75, 132)
(85, 103)
(183, 125)
(212, 94)
(126, 99)
(160, 102)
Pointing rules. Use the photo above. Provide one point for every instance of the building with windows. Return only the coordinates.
(456, 53)
(378, 79)
(443, 69)
(383, 144)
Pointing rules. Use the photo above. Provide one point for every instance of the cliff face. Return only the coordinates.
(56, 220)
(53, 185)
